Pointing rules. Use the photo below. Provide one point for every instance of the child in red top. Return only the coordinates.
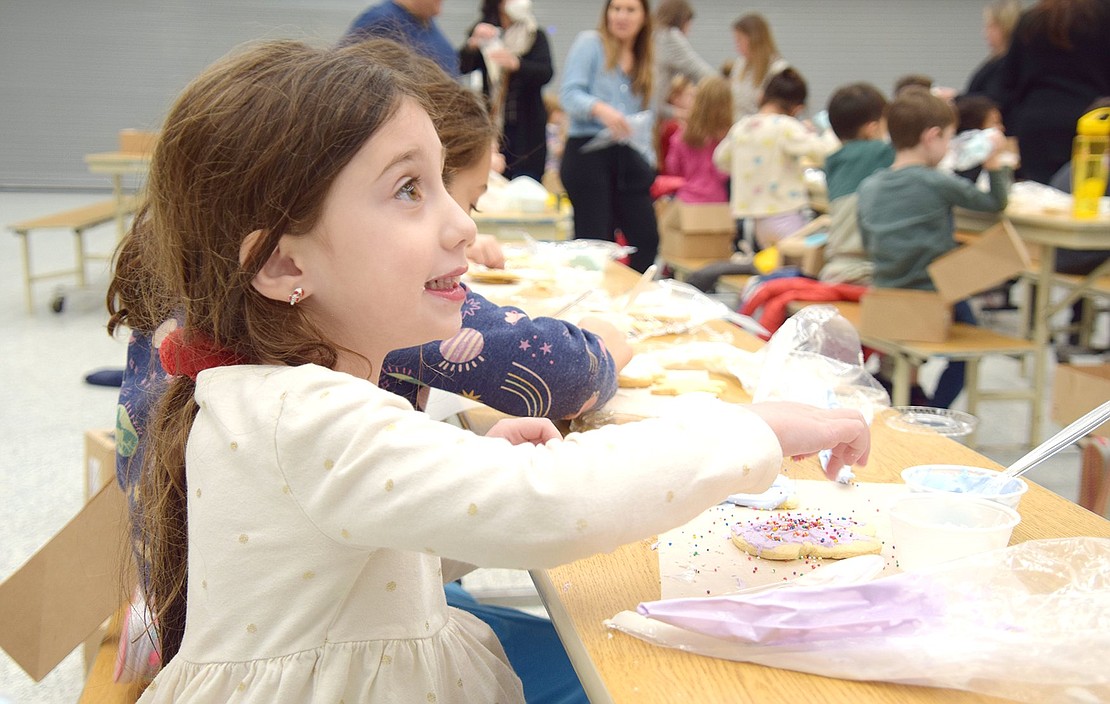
(680, 97)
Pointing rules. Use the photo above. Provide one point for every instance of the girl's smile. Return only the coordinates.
(447, 287)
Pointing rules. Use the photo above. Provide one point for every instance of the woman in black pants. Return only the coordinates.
(607, 78)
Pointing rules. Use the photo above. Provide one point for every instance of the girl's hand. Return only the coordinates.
(805, 430)
(486, 250)
(521, 430)
(613, 119)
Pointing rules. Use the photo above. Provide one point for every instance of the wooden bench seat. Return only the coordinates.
(965, 343)
(733, 283)
(78, 220)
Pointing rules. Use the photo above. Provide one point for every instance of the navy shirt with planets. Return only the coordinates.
(538, 367)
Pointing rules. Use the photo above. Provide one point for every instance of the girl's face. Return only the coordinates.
(743, 43)
(685, 97)
(381, 268)
(625, 19)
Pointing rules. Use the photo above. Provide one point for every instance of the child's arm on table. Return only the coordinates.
(527, 367)
(402, 481)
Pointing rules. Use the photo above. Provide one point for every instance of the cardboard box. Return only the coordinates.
(1079, 389)
(904, 314)
(100, 460)
(68, 589)
(997, 255)
(697, 230)
(100, 470)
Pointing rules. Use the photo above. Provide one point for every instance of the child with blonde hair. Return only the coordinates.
(298, 218)
(691, 150)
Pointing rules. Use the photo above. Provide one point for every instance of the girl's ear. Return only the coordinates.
(279, 274)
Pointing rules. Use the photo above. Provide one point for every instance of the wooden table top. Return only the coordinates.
(1053, 228)
(118, 162)
(619, 668)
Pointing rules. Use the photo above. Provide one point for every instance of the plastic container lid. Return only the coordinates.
(924, 419)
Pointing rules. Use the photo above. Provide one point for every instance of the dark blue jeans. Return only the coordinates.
(532, 646)
(951, 381)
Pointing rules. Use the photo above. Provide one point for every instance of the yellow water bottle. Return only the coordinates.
(1089, 165)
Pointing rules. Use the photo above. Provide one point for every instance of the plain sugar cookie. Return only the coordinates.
(675, 387)
(790, 536)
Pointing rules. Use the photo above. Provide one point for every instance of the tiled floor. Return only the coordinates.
(47, 406)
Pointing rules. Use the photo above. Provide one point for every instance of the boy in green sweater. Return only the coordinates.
(905, 212)
(856, 113)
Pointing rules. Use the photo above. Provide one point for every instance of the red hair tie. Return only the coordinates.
(180, 358)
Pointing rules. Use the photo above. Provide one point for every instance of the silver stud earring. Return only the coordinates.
(296, 296)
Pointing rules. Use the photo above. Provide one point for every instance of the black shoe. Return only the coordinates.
(105, 377)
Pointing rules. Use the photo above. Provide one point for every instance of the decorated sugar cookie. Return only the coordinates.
(791, 536)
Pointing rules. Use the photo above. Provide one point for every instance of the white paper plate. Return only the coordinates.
(924, 419)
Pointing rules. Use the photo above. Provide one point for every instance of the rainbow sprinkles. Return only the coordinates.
(790, 536)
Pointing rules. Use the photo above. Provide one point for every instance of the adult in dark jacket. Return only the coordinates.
(1058, 62)
(999, 19)
(514, 56)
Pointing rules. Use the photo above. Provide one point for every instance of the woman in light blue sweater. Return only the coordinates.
(607, 80)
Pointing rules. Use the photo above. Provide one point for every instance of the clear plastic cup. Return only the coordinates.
(967, 480)
(928, 529)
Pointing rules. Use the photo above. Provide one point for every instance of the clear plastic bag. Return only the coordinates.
(815, 358)
(642, 125)
(1029, 622)
(670, 307)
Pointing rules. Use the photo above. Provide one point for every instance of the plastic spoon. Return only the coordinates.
(1072, 432)
(642, 285)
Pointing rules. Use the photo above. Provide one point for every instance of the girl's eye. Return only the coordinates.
(411, 190)
(474, 208)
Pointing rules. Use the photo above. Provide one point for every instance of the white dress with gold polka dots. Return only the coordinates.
(320, 507)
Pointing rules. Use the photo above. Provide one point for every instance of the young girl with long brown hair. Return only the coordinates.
(691, 152)
(300, 511)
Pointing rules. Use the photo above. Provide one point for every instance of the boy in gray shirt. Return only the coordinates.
(905, 212)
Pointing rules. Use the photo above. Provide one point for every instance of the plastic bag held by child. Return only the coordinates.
(815, 358)
(1029, 623)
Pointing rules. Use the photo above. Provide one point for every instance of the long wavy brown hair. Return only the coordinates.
(711, 114)
(253, 144)
(643, 52)
(461, 120)
(762, 50)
